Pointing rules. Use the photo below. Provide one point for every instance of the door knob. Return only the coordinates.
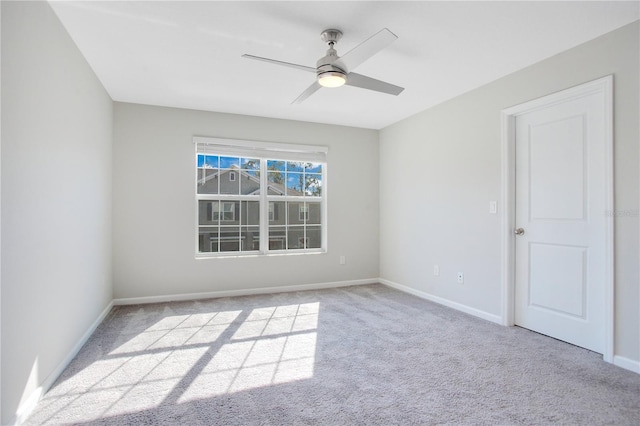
(519, 231)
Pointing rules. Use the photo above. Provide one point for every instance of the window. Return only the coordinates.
(257, 198)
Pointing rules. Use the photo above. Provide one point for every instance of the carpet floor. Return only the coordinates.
(357, 355)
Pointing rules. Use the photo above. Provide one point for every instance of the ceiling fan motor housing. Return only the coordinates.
(325, 64)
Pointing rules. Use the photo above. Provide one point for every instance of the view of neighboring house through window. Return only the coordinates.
(303, 212)
(225, 211)
(236, 214)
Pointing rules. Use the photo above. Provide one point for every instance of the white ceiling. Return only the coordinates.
(188, 54)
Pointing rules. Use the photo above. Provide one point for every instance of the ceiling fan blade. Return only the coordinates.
(364, 82)
(366, 49)
(286, 64)
(308, 92)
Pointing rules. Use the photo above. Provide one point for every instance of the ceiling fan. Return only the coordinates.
(334, 71)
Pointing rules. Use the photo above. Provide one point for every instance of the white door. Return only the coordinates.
(561, 200)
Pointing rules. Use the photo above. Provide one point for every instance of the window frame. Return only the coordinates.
(263, 152)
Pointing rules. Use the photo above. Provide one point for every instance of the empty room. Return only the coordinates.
(366, 212)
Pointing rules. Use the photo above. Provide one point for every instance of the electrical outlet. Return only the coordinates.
(343, 260)
(460, 278)
(436, 270)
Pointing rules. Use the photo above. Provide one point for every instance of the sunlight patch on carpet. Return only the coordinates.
(273, 345)
(187, 357)
(175, 330)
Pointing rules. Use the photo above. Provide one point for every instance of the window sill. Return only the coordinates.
(234, 255)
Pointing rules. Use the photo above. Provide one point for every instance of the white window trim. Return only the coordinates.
(280, 151)
(265, 151)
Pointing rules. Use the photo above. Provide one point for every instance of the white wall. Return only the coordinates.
(154, 204)
(448, 159)
(56, 199)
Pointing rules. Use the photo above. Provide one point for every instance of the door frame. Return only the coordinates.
(602, 85)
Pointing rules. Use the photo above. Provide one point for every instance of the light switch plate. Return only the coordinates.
(493, 207)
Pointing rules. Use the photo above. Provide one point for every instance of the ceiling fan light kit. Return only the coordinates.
(334, 71)
(332, 79)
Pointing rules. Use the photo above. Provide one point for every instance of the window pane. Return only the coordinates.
(229, 213)
(293, 166)
(208, 239)
(277, 238)
(303, 213)
(229, 238)
(250, 213)
(207, 181)
(208, 212)
(313, 185)
(276, 183)
(207, 161)
(250, 164)
(229, 182)
(229, 162)
(313, 168)
(275, 165)
(277, 213)
(295, 183)
(249, 184)
(314, 237)
(250, 238)
(295, 237)
(315, 213)
(296, 213)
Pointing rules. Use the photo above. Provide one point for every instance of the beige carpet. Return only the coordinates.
(356, 355)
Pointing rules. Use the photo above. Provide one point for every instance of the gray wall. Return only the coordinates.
(56, 199)
(449, 158)
(154, 254)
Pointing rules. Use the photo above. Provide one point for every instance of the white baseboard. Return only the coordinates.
(626, 363)
(30, 403)
(458, 306)
(239, 292)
